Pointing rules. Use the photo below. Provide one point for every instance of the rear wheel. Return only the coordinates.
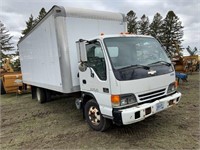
(94, 117)
(40, 95)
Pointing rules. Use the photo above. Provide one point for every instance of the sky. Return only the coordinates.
(14, 13)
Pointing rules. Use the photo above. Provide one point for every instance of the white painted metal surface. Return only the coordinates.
(89, 28)
(48, 53)
(39, 57)
(147, 85)
(129, 117)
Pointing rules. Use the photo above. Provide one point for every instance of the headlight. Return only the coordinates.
(122, 100)
(171, 88)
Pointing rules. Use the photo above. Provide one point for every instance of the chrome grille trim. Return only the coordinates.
(152, 95)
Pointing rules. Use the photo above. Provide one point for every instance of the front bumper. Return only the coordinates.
(140, 112)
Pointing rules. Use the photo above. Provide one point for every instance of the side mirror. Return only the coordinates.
(82, 54)
(81, 51)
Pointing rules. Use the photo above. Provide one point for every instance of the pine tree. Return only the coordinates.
(156, 26)
(16, 62)
(144, 25)
(5, 44)
(131, 22)
(172, 33)
(42, 13)
(32, 22)
(29, 25)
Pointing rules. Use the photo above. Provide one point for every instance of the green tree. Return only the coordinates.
(29, 25)
(16, 62)
(172, 33)
(42, 13)
(144, 25)
(6, 46)
(32, 22)
(156, 26)
(131, 22)
(5, 43)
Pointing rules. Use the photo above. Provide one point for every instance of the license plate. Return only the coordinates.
(159, 106)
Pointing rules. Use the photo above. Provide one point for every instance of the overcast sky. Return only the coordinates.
(14, 13)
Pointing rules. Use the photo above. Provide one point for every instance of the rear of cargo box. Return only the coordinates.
(48, 53)
(40, 55)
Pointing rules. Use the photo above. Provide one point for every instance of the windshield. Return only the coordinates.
(134, 51)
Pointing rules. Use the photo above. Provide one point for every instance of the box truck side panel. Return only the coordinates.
(86, 28)
(39, 57)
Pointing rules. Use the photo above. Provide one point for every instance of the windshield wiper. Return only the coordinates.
(136, 66)
(161, 62)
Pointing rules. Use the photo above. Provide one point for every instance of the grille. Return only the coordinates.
(151, 95)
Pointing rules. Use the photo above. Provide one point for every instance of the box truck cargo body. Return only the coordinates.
(122, 78)
(48, 53)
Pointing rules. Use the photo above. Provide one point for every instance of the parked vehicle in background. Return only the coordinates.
(10, 80)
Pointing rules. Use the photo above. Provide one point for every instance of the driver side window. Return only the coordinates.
(96, 59)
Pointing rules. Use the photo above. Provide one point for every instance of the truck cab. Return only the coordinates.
(124, 79)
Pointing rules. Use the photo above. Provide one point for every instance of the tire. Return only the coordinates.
(48, 95)
(2, 88)
(40, 95)
(94, 117)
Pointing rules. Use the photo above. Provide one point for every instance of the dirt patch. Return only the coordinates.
(26, 124)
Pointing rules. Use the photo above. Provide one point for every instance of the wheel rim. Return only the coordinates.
(94, 115)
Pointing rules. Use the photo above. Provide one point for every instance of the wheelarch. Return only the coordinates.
(85, 98)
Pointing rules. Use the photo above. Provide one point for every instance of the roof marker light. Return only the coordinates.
(124, 33)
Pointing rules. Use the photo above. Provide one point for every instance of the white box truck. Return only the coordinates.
(122, 78)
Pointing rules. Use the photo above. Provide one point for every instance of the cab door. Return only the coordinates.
(95, 79)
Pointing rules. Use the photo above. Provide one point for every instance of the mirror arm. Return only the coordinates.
(91, 72)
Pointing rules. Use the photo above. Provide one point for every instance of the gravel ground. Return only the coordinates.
(26, 124)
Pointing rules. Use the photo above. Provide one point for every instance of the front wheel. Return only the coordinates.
(94, 117)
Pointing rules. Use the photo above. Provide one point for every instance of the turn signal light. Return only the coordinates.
(115, 99)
